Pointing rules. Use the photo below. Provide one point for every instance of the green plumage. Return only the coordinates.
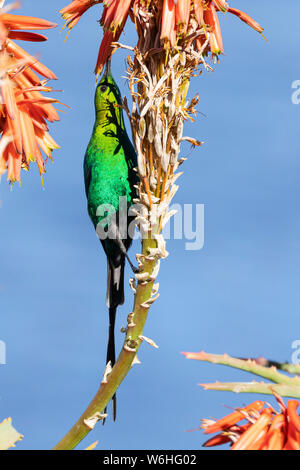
(110, 156)
(109, 174)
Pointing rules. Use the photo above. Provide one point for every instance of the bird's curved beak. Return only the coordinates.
(107, 70)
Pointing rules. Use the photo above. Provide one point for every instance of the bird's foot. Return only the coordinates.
(135, 270)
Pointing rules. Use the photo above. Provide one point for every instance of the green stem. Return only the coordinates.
(255, 387)
(286, 366)
(290, 368)
(136, 323)
(270, 373)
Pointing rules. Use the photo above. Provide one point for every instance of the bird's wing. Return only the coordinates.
(87, 179)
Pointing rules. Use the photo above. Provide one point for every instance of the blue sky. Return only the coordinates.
(239, 294)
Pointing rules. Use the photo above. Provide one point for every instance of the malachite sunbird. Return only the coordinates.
(110, 179)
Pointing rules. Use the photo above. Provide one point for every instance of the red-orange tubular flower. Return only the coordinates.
(74, 11)
(264, 428)
(24, 110)
(176, 16)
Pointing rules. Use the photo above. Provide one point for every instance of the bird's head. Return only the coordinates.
(107, 91)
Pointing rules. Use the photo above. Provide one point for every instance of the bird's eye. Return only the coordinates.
(103, 88)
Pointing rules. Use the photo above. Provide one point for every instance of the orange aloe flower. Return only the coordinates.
(246, 18)
(221, 5)
(265, 428)
(168, 22)
(176, 15)
(183, 11)
(215, 37)
(74, 11)
(24, 110)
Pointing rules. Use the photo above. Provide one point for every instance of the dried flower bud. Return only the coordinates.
(142, 128)
(157, 145)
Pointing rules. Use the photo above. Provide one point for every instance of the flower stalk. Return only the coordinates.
(113, 377)
(173, 39)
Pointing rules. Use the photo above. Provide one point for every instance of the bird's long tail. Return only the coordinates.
(114, 298)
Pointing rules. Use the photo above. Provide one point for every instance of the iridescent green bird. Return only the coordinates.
(109, 175)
